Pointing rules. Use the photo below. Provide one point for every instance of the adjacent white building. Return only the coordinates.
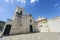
(48, 25)
(42, 24)
(54, 24)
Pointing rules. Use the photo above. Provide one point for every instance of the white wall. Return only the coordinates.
(54, 25)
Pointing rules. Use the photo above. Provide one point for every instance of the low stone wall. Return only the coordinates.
(34, 36)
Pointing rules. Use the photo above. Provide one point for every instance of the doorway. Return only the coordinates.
(31, 28)
(7, 30)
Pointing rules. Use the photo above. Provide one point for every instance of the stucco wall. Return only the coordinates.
(54, 24)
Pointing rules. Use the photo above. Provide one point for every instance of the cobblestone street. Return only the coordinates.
(34, 36)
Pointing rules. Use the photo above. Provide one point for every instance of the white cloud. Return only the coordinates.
(59, 7)
(18, 0)
(56, 5)
(22, 1)
(12, 1)
(33, 1)
(7, 1)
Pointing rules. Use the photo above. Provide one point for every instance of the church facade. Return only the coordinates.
(20, 23)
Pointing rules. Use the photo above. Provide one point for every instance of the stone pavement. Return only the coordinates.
(34, 36)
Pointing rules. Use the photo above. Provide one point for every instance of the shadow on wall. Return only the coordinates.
(2, 23)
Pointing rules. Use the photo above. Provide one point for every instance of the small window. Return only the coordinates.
(30, 15)
(30, 20)
(17, 13)
(21, 12)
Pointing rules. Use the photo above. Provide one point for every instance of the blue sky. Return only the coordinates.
(46, 8)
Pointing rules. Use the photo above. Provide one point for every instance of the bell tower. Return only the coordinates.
(19, 12)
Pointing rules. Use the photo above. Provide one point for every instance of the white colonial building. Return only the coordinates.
(54, 24)
(42, 24)
(48, 25)
(20, 23)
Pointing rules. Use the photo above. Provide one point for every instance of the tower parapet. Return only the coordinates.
(19, 11)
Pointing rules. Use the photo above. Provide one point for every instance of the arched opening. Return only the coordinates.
(31, 28)
(7, 30)
(21, 13)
